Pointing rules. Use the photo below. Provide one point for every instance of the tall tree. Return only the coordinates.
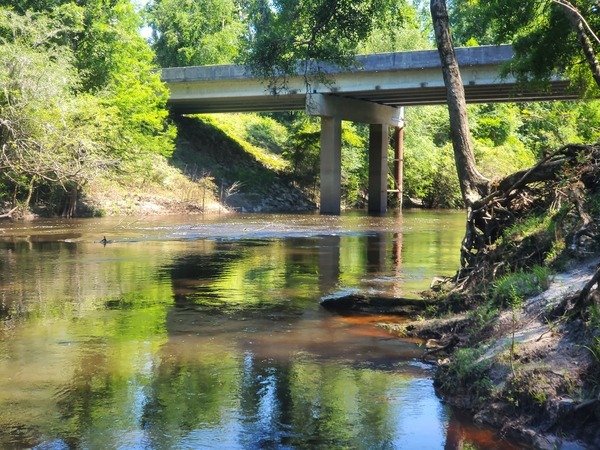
(473, 184)
(104, 104)
(489, 206)
(48, 135)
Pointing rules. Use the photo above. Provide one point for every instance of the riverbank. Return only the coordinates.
(532, 371)
(209, 172)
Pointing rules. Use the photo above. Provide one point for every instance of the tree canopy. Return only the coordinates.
(188, 33)
(76, 99)
(283, 32)
(548, 36)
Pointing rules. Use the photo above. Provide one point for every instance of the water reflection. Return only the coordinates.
(207, 333)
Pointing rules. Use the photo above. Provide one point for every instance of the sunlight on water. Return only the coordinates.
(206, 332)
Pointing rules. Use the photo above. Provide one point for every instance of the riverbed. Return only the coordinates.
(206, 332)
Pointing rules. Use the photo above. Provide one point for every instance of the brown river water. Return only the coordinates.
(187, 332)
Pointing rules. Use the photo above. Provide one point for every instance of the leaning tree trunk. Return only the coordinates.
(583, 31)
(473, 185)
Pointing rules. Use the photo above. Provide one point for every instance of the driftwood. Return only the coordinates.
(8, 215)
(438, 346)
(375, 304)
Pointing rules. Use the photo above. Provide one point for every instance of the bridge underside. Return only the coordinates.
(373, 92)
(474, 93)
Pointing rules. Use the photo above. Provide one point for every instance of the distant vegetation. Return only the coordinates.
(78, 101)
(84, 118)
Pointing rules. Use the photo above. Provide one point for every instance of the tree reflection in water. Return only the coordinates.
(208, 333)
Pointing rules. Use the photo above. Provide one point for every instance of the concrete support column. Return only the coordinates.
(378, 168)
(331, 165)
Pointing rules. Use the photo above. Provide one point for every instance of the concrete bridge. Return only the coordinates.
(373, 92)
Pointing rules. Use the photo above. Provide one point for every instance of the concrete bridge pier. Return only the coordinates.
(331, 165)
(333, 110)
(378, 167)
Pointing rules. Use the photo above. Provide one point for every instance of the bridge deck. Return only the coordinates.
(394, 79)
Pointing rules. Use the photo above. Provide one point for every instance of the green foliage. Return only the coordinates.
(187, 33)
(528, 389)
(124, 79)
(282, 32)
(513, 288)
(467, 368)
(482, 318)
(55, 132)
(594, 204)
(544, 234)
(267, 133)
(41, 118)
(547, 125)
(594, 348)
(429, 172)
(389, 37)
(303, 150)
(528, 226)
(544, 40)
(355, 163)
(258, 135)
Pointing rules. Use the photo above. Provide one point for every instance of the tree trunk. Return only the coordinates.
(576, 21)
(473, 185)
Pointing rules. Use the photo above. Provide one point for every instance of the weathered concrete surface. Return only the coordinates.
(394, 79)
(331, 165)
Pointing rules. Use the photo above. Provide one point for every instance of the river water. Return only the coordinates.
(206, 332)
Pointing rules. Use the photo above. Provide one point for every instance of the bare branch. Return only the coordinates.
(574, 10)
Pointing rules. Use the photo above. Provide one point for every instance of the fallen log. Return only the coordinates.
(8, 215)
(375, 304)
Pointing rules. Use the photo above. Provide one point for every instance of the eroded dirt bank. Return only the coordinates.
(533, 371)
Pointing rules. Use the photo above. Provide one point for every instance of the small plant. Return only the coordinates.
(570, 385)
(515, 302)
(594, 349)
(594, 315)
(527, 227)
(431, 310)
(521, 284)
(482, 317)
(556, 254)
(527, 389)
(467, 369)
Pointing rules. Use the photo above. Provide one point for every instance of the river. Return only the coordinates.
(206, 332)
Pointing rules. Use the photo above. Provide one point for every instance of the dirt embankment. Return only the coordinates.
(532, 371)
(209, 172)
(241, 182)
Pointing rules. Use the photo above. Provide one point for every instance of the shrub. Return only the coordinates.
(521, 284)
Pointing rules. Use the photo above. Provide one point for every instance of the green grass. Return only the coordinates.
(467, 369)
(261, 137)
(521, 284)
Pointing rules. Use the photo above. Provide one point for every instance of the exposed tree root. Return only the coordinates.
(561, 182)
(588, 294)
